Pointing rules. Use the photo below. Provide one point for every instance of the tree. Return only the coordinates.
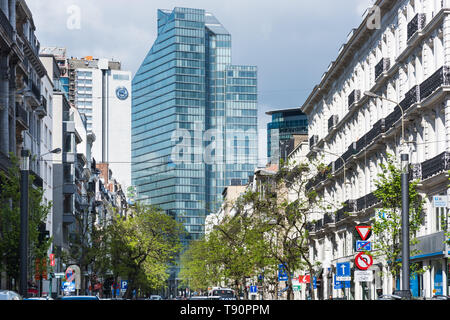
(10, 222)
(387, 226)
(142, 245)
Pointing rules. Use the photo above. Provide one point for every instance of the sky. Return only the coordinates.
(292, 42)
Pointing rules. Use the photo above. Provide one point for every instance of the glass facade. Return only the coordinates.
(285, 123)
(194, 118)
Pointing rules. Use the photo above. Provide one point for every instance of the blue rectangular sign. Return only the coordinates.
(343, 269)
(282, 274)
(363, 246)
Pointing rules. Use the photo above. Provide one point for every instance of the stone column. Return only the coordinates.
(12, 103)
(4, 103)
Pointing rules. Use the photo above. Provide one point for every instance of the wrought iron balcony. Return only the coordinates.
(41, 111)
(435, 165)
(417, 23)
(440, 78)
(393, 117)
(351, 150)
(7, 27)
(361, 144)
(367, 201)
(411, 97)
(381, 67)
(354, 97)
(348, 207)
(21, 117)
(328, 219)
(313, 140)
(377, 129)
(333, 121)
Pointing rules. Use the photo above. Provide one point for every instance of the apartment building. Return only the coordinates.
(405, 59)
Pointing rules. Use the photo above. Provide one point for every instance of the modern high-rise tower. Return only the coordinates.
(194, 118)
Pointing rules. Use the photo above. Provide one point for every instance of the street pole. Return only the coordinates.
(404, 157)
(405, 224)
(23, 246)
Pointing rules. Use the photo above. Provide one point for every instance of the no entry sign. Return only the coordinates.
(363, 261)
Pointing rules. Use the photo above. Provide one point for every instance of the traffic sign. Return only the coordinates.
(343, 271)
(364, 232)
(70, 275)
(363, 245)
(363, 276)
(363, 261)
(282, 274)
(304, 279)
(52, 259)
(253, 289)
(124, 285)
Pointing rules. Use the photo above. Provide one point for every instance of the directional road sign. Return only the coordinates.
(343, 272)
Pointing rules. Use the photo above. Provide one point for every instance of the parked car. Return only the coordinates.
(198, 298)
(80, 298)
(440, 297)
(9, 295)
(155, 297)
(39, 298)
(389, 297)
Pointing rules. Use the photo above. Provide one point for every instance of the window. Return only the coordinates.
(441, 219)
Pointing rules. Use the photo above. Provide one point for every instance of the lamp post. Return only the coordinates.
(404, 157)
(23, 245)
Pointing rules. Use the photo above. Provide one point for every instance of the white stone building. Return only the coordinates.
(406, 58)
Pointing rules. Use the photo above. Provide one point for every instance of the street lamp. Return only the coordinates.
(404, 157)
(55, 151)
(23, 245)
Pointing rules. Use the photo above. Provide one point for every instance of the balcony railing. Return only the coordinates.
(353, 97)
(351, 150)
(377, 129)
(367, 201)
(417, 23)
(328, 219)
(22, 116)
(393, 117)
(440, 78)
(4, 22)
(411, 97)
(435, 165)
(313, 140)
(381, 67)
(333, 121)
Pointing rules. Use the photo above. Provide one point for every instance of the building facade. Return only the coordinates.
(194, 118)
(285, 124)
(405, 59)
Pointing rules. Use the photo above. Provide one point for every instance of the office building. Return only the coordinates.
(194, 118)
(280, 132)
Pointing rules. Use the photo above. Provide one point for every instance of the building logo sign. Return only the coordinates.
(122, 93)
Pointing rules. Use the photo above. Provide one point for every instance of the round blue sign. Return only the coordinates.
(122, 93)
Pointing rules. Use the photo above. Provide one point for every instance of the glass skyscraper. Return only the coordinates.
(194, 118)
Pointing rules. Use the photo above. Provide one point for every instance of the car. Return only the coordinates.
(39, 298)
(155, 297)
(198, 298)
(389, 297)
(440, 297)
(9, 295)
(80, 298)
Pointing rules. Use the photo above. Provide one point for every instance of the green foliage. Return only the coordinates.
(387, 228)
(142, 246)
(10, 221)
